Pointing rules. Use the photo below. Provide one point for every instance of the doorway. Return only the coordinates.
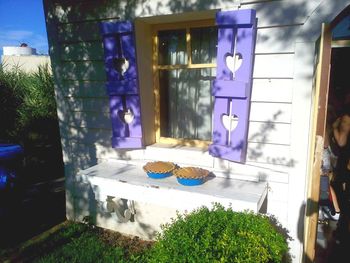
(330, 90)
(330, 247)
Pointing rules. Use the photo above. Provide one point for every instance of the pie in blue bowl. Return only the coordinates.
(191, 176)
(159, 170)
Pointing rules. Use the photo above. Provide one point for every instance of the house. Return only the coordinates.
(23, 57)
(236, 87)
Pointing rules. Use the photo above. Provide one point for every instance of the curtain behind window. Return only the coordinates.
(185, 94)
(187, 113)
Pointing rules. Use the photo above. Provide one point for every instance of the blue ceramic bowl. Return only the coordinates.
(158, 175)
(191, 176)
(159, 170)
(190, 181)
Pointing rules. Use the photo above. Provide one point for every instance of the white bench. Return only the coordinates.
(128, 181)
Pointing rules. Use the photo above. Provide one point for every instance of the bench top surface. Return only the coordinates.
(113, 171)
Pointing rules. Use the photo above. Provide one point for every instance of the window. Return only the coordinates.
(184, 67)
(182, 72)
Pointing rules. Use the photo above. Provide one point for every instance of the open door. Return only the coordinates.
(317, 135)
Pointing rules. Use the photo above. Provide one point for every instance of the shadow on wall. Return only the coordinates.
(262, 136)
(77, 53)
(91, 207)
(77, 58)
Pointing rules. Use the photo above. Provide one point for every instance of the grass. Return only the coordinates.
(76, 242)
(85, 248)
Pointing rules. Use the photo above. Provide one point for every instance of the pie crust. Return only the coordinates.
(191, 173)
(159, 167)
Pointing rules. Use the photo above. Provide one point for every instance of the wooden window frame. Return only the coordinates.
(173, 26)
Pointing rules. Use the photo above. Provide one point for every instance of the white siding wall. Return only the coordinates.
(279, 106)
(84, 104)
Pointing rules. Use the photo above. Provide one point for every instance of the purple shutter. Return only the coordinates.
(233, 83)
(122, 83)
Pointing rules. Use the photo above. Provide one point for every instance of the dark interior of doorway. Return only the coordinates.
(328, 248)
(339, 86)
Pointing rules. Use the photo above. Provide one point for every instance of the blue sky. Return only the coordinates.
(23, 21)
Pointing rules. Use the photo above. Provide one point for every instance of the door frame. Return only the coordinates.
(317, 130)
(317, 135)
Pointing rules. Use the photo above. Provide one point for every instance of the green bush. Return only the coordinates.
(220, 235)
(11, 96)
(26, 99)
(38, 97)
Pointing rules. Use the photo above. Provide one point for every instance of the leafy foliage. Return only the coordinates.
(86, 248)
(38, 97)
(75, 242)
(220, 235)
(28, 117)
(205, 235)
(25, 98)
(10, 100)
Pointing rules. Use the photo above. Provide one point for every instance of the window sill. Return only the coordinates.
(169, 145)
(130, 182)
(200, 144)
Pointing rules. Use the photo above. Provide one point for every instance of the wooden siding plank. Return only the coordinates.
(264, 90)
(262, 171)
(274, 12)
(276, 39)
(81, 32)
(266, 66)
(77, 11)
(82, 51)
(273, 167)
(274, 133)
(83, 155)
(82, 70)
(272, 90)
(270, 112)
(90, 120)
(269, 153)
(260, 112)
(89, 89)
(262, 132)
(274, 66)
(87, 135)
(278, 13)
(269, 40)
(98, 105)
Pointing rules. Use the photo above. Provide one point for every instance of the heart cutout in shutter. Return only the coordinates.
(234, 63)
(126, 116)
(121, 65)
(226, 119)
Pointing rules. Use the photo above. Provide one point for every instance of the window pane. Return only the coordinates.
(172, 47)
(203, 44)
(186, 103)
